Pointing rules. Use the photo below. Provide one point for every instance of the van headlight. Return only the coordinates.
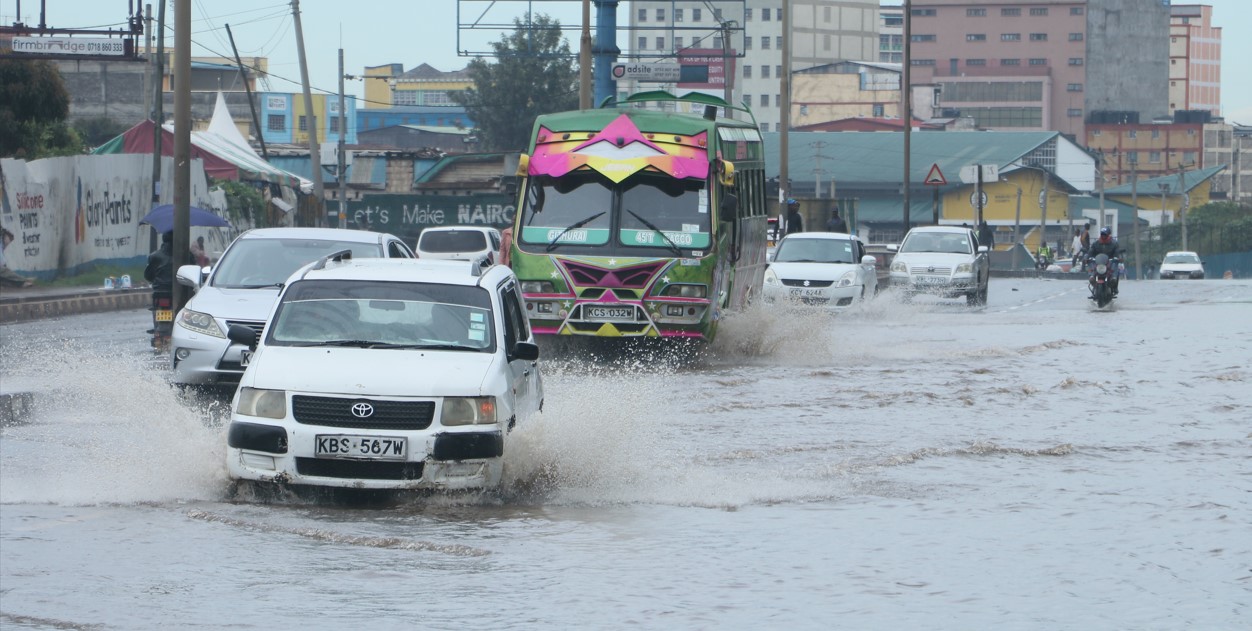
(965, 268)
(200, 323)
(899, 266)
(468, 411)
(263, 403)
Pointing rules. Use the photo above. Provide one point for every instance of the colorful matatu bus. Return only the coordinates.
(640, 223)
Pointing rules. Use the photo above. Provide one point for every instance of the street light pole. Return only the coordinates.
(340, 163)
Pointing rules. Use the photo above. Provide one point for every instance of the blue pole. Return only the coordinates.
(604, 49)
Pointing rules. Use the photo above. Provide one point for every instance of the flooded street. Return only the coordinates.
(1033, 464)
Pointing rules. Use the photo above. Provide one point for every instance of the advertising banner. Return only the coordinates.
(68, 213)
(407, 215)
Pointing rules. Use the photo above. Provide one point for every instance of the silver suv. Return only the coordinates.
(242, 287)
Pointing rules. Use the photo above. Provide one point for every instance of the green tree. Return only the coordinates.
(33, 107)
(98, 130)
(245, 206)
(533, 74)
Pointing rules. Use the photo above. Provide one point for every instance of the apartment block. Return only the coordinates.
(1195, 59)
(823, 31)
(1043, 65)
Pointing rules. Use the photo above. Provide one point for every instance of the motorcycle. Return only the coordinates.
(162, 319)
(1101, 281)
(1042, 261)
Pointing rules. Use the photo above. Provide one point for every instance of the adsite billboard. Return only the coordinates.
(705, 67)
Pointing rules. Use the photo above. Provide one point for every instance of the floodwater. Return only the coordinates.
(1033, 464)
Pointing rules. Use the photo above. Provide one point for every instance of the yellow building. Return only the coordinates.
(389, 85)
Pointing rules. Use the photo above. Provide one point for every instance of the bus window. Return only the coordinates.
(552, 206)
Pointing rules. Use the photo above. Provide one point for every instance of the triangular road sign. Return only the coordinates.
(935, 177)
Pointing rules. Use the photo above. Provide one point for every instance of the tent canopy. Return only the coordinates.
(225, 152)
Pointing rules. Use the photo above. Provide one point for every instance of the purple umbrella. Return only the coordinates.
(162, 218)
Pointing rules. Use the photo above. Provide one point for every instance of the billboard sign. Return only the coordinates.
(705, 68)
(94, 46)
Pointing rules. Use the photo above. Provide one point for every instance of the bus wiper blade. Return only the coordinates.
(672, 246)
(577, 224)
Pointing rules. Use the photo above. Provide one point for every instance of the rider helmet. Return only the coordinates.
(1105, 231)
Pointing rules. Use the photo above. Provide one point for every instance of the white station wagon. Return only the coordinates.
(385, 374)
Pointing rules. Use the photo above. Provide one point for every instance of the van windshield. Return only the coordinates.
(383, 315)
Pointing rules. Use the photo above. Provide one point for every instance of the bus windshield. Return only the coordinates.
(645, 211)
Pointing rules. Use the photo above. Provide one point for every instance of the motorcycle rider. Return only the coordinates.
(1108, 246)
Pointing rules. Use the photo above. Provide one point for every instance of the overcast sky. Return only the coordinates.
(412, 32)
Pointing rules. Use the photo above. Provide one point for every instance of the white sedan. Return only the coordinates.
(942, 260)
(829, 269)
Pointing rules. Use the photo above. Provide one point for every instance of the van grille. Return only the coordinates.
(337, 412)
(359, 469)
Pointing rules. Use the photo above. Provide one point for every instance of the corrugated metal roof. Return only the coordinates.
(876, 158)
(1191, 179)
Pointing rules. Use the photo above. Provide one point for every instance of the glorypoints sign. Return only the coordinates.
(408, 215)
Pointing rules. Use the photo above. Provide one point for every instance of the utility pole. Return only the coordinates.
(1183, 203)
(584, 60)
(182, 144)
(906, 102)
(256, 121)
(158, 105)
(1017, 223)
(315, 154)
(784, 117)
(1134, 202)
(147, 50)
(341, 162)
(1043, 211)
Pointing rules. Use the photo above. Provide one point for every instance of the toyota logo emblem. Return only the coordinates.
(931, 268)
(361, 409)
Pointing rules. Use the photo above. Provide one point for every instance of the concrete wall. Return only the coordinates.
(1128, 57)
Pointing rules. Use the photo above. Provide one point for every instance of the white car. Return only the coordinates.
(820, 268)
(459, 242)
(241, 288)
(942, 260)
(1182, 265)
(384, 374)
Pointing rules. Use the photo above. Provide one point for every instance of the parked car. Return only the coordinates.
(459, 242)
(944, 261)
(820, 268)
(1181, 265)
(383, 374)
(241, 288)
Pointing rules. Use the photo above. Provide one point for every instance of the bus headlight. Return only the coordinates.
(538, 287)
(686, 291)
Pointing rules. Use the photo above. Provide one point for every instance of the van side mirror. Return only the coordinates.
(242, 335)
(526, 351)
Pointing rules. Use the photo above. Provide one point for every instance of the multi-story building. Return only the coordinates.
(891, 34)
(1134, 151)
(823, 31)
(1046, 64)
(389, 85)
(1195, 59)
(287, 121)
